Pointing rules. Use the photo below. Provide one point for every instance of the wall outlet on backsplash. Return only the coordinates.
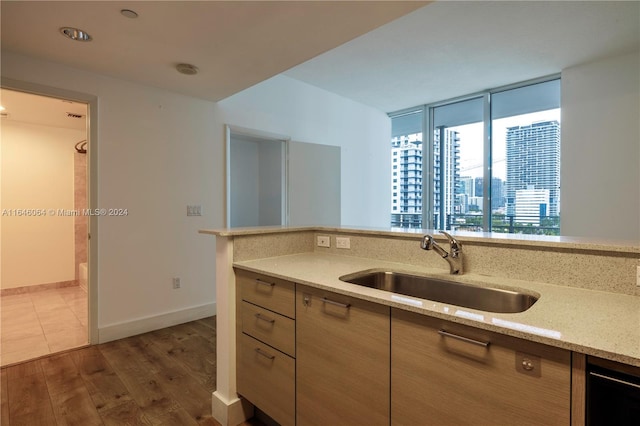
(323, 241)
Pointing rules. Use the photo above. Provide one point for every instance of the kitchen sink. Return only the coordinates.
(488, 299)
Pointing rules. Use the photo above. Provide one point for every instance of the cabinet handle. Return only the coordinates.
(613, 379)
(332, 302)
(463, 339)
(263, 318)
(264, 354)
(258, 281)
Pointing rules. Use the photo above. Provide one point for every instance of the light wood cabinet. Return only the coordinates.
(266, 362)
(442, 373)
(342, 360)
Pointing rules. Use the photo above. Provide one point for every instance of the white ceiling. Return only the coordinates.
(454, 48)
(42, 110)
(235, 44)
(435, 52)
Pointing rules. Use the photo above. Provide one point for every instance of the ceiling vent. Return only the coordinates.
(72, 115)
(4, 114)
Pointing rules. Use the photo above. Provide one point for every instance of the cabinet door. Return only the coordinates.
(266, 378)
(438, 379)
(342, 360)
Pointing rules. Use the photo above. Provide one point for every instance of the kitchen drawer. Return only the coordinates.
(266, 377)
(271, 293)
(269, 327)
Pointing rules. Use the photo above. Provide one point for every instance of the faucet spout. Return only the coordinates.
(453, 257)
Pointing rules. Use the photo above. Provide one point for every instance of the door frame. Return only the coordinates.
(92, 187)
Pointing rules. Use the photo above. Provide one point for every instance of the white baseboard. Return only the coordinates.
(144, 325)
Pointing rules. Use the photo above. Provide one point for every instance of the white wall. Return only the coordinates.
(314, 184)
(159, 151)
(600, 180)
(37, 173)
(256, 168)
(245, 182)
(285, 106)
(156, 154)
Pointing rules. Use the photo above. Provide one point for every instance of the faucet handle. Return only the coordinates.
(455, 245)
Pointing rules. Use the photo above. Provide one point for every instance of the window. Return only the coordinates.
(526, 159)
(458, 134)
(507, 137)
(406, 145)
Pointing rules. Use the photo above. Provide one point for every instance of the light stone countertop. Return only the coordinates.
(592, 322)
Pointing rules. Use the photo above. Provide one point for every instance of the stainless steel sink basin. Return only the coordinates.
(470, 296)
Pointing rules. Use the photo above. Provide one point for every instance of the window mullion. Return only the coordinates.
(487, 161)
(427, 169)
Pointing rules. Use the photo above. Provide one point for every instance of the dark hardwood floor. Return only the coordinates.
(165, 377)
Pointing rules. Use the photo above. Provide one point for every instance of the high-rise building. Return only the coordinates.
(533, 163)
(406, 181)
(497, 192)
(531, 205)
(446, 175)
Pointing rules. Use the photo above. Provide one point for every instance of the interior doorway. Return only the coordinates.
(256, 178)
(44, 281)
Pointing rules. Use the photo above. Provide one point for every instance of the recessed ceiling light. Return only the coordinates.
(129, 13)
(187, 69)
(75, 34)
(2, 108)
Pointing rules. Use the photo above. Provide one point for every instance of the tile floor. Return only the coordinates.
(40, 323)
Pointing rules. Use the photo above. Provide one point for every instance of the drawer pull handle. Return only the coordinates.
(463, 339)
(613, 379)
(265, 283)
(264, 354)
(263, 318)
(332, 302)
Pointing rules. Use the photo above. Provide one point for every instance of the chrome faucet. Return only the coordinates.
(454, 258)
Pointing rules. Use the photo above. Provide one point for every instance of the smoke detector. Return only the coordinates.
(187, 69)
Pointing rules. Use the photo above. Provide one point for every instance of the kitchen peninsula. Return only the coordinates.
(588, 302)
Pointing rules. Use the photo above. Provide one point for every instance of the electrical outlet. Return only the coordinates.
(323, 241)
(176, 283)
(343, 242)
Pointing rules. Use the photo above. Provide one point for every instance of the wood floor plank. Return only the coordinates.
(72, 404)
(191, 350)
(28, 396)
(103, 384)
(205, 330)
(194, 397)
(4, 406)
(23, 370)
(128, 413)
(141, 381)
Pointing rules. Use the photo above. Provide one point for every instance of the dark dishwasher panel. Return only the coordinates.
(613, 394)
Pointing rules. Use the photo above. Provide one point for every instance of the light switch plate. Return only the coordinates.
(194, 210)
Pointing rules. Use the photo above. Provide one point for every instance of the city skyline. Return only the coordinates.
(462, 148)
